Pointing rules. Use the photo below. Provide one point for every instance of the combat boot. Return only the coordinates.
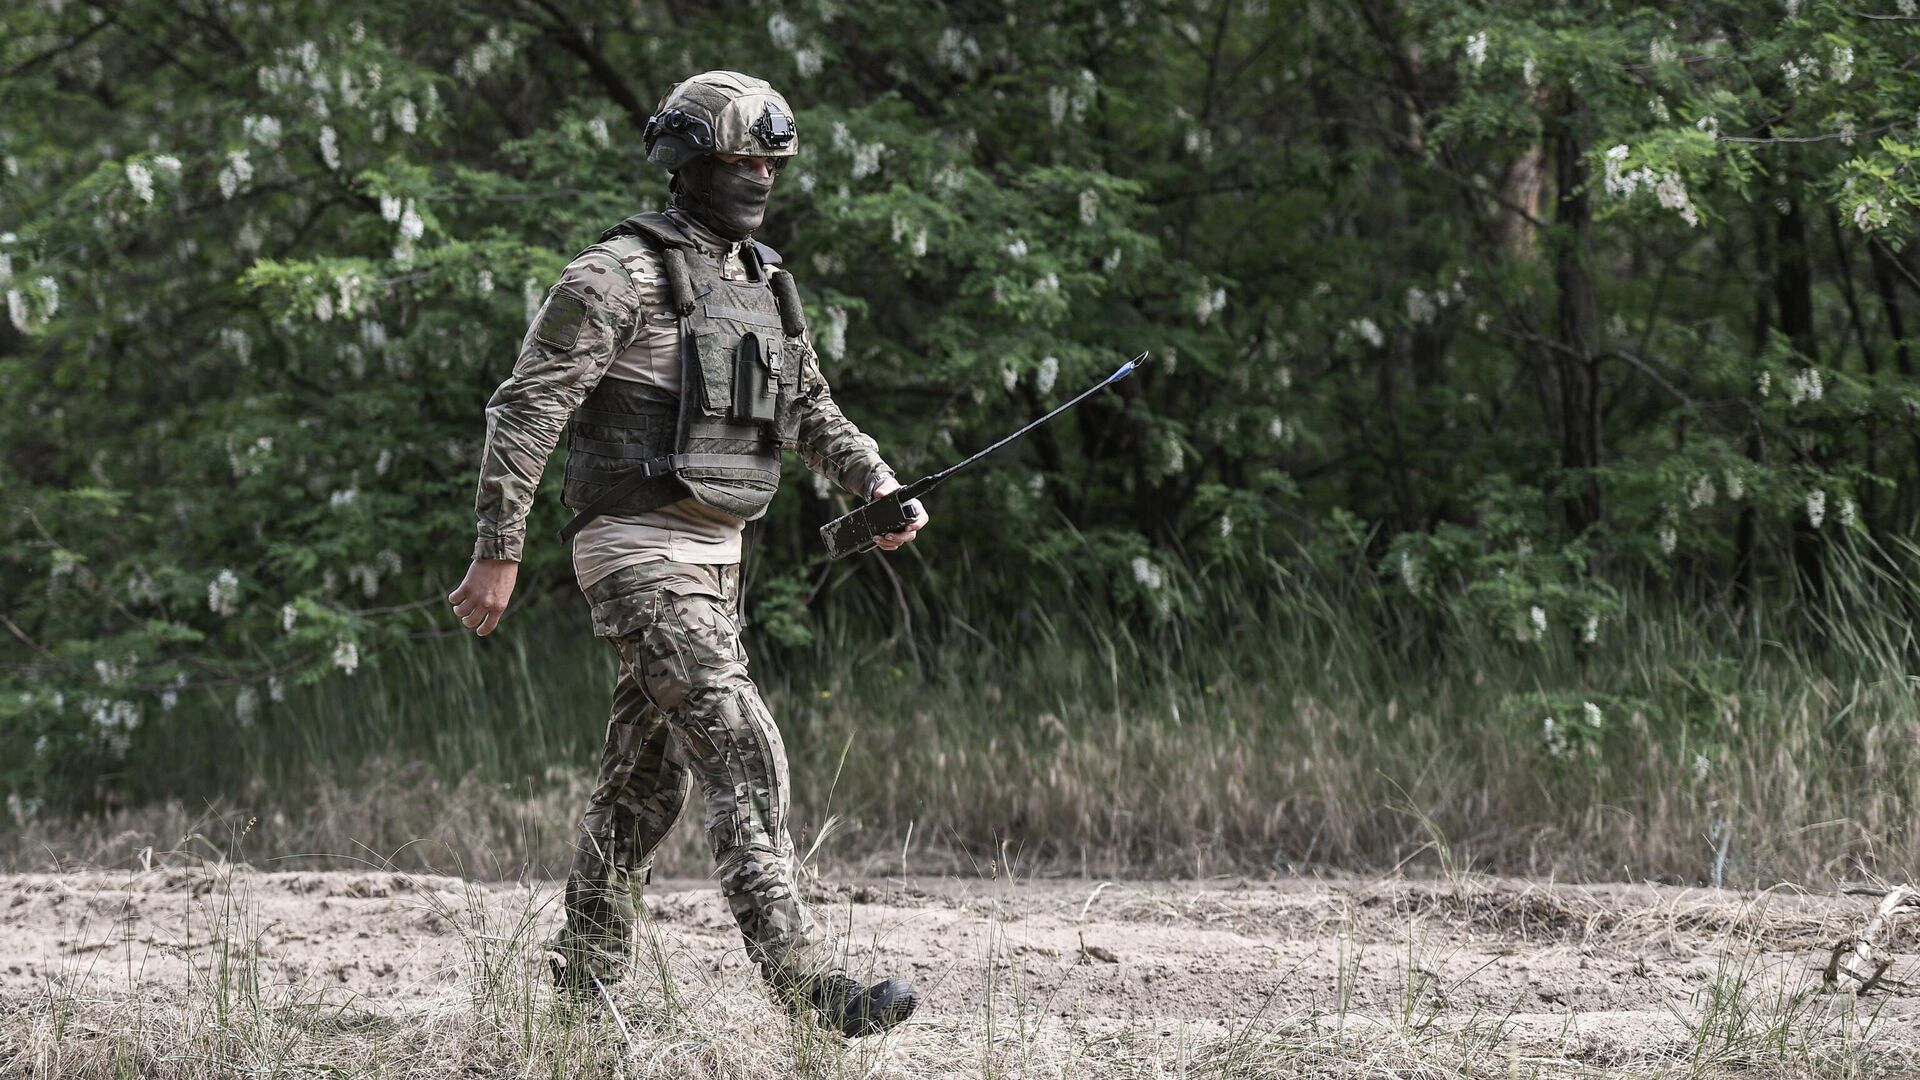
(853, 1010)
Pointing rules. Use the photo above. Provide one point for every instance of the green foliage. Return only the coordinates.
(1512, 307)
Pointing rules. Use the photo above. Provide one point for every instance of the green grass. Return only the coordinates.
(1283, 720)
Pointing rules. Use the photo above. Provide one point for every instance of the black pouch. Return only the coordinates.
(756, 380)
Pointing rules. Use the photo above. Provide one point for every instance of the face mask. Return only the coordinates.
(725, 198)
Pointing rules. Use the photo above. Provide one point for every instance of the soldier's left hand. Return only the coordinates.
(893, 541)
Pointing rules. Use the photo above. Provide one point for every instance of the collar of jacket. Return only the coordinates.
(705, 240)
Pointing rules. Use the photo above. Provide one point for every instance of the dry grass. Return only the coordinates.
(214, 995)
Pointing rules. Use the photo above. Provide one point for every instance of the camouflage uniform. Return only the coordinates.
(684, 708)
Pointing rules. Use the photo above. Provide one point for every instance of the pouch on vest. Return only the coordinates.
(756, 379)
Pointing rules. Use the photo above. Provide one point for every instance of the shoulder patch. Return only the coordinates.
(559, 321)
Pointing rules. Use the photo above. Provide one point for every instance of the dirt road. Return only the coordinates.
(340, 971)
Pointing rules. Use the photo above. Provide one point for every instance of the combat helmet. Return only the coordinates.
(721, 112)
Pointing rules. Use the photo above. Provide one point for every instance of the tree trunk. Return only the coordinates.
(1793, 293)
(1573, 279)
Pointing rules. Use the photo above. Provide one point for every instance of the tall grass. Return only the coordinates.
(1279, 719)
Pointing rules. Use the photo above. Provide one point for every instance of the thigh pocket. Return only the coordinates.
(704, 632)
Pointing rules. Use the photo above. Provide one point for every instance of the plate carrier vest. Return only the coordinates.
(634, 447)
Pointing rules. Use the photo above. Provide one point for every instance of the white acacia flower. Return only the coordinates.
(289, 614)
(1368, 330)
(246, 706)
(1661, 52)
(1530, 73)
(1538, 617)
(1017, 249)
(1669, 539)
(1702, 493)
(1226, 526)
(1672, 193)
(1590, 633)
(784, 32)
(1043, 380)
(833, 333)
(1701, 766)
(483, 281)
(1146, 574)
(168, 163)
(1409, 572)
(1807, 386)
(1816, 507)
(330, 147)
(411, 226)
(597, 131)
(1057, 103)
(1423, 307)
(346, 656)
(1089, 206)
(1798, 68)
(141, 178)
(343, 497)
(264, 130)
(1765, 383)
(1848, 514)
(1208, 304)
(406, 117)
(1477, 48)
(1594, 719)
(1554, 739)
(1840, 68)
(959, 51)
(223, 594)
(276, 689)
(1736, 486)
(390, 207)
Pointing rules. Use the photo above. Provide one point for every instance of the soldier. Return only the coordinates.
(676, 355)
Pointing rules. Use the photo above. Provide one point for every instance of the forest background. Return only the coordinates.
(1526, 477)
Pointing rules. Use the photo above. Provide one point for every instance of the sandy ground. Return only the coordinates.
(1606, 977)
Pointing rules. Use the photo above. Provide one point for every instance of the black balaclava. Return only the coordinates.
(725, 198)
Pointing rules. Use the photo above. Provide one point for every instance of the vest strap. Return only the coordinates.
(786, 294)
(679, 282)
(632, 481)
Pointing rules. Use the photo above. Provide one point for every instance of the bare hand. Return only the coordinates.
(893, 541)
(483, 594)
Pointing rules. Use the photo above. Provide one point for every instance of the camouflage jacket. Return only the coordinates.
(629, 327)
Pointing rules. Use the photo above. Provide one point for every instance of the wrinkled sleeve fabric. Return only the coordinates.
(827, 441)
(584, 322)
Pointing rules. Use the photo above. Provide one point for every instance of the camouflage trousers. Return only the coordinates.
(686, 712)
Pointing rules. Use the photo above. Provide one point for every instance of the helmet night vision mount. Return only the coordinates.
(673, 138)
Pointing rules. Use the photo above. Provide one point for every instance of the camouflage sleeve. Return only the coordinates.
(827, 441)
(586, 318)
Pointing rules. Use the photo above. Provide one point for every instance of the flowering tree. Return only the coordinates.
(1513, 302)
